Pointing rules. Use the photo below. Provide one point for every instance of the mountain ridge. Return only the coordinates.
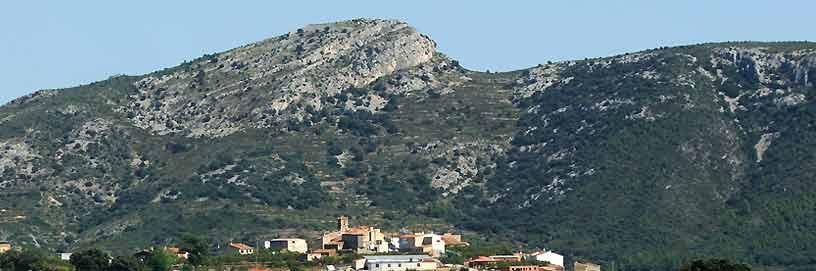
(364, 117)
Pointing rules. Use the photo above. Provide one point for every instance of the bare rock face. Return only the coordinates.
(774, 75)
(266, 84)
(16, 161)
(462, 165)
(440, 75)
(91, 132)
(537, 79)
(767, 67)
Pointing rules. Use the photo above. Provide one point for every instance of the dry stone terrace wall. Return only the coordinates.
(265, 84)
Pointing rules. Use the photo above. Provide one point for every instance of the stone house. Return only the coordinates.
(428, 243)
(288, 244)
(361, 239)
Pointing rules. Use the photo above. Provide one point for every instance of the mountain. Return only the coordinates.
(645, 159)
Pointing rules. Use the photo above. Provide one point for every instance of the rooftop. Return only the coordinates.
(482, 259)
(240, 246)
(543, 252)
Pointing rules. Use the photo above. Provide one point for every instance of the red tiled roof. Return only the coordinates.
(482, 259)
(358, 230)
(240, 246)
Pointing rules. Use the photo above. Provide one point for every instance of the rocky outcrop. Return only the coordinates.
(763, 144)
(537, 79)
(16, 161)
(264, 84)
(767, 67)
(459, 165)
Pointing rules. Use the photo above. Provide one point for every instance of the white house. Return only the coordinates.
(429, 243)
(433, 244)
(400, 263)
(65, 256)
(239, 248)
(546, 256)
(394, 244)
(288, 244)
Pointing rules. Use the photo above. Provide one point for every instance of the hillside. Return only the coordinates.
(646, 159)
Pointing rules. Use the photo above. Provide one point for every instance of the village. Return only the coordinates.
(362, 248)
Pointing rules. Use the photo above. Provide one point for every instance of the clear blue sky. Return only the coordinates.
(54, 44)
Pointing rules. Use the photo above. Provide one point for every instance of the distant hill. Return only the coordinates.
(646, 159)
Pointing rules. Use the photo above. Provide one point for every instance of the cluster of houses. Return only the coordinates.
(537, 261)
(361, 240)
(418, 251)
(370, 240)
(381, 251)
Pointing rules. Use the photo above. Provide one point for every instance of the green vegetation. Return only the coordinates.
(90, 260)
(715, 265)
(32, 259)
(659, 175)
(460, 254)
(293, 261)
(197, 247)
(161, 260)
(95, 260)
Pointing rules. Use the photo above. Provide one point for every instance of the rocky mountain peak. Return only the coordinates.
(266, 83)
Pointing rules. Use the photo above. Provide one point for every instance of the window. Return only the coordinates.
(417, 264)
(377, 265)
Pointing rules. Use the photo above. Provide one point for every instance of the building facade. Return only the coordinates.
(180, 254)
(482, 262)
(428, 243)
(320, 253)
(546, 267)
(453, 240)
(400, 263)
(361, 239)
(239, 248)
(287, 244)
(546, 256)
(64, 256)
